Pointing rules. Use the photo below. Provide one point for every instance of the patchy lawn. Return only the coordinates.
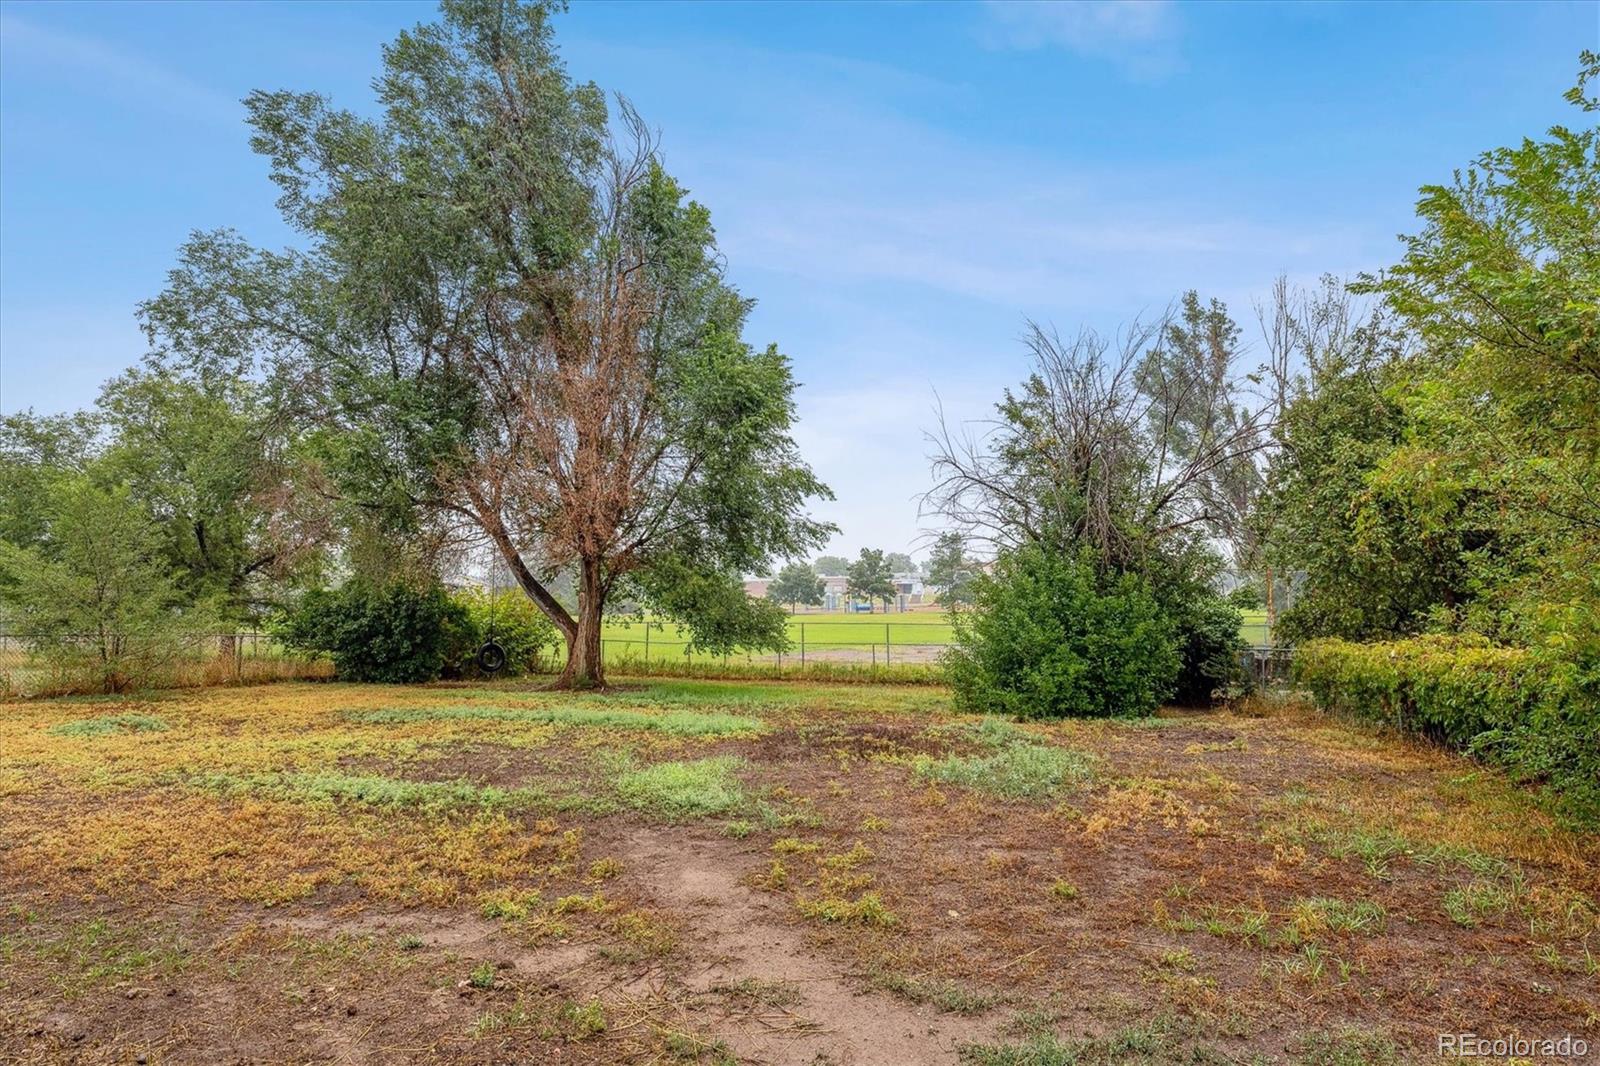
(784, 873)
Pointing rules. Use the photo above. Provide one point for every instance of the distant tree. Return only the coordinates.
(831, 565)
(796, 583)
(37, 454)
(211, 462)
(950, 572)
(509, 318)
(871, 577)
(95, 595)
(900, 563)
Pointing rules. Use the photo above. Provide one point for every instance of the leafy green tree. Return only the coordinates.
(508, 318)
(1501, 453)
(950, 572)
(796, 583)
(37, 454)
(211, 463)
(1052, 635)
(870, 578)
(831, 565)
(95, 595)
(900, 563)
(1369, 569)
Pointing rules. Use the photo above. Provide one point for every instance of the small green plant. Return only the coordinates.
(604, 869)
(106, 724)
(869, 909)
(686, 1047)
(1470, 904)
(680, 790)
(1017, 771)
(482, 976)
(1064, 890)
(586, 1019)
(410, 942)
(946, 995)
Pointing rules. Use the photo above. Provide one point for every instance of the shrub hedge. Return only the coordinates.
(1536, 715)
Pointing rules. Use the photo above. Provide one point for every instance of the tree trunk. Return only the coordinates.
(584, 667)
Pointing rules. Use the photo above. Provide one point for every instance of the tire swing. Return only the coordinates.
(491, 656)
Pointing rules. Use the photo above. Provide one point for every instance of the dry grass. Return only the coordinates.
(460, 873)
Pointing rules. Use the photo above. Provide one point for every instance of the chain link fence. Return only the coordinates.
(94, 662)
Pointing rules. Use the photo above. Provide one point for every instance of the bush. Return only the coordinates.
(395, 632)
(511, 619)
(95, 600)
(1047, 637)
(1211, 649)
(1537, 716)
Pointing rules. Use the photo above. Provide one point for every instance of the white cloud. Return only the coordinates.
(1139, 36)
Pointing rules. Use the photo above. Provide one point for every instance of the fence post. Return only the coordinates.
(886, 643)
(802, 645)
(647, 642)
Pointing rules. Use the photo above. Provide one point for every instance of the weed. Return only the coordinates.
(946, 995)
(1346, 1047)
(686, 1047)
(410, 942)
(1019, 771)
(849, 860)
(1311, 917)
(680, 790)
(107, 724)
(777, 876)
(586, 1019)
(869, 909)
(482, 976)
(1469, 904)
(1063, 889)
(604, 869)
(677, 723)
(794, 846)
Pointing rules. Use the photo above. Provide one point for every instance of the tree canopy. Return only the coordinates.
(507, 316)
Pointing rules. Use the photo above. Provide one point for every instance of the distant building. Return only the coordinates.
(909, 592)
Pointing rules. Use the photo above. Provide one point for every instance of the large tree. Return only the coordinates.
(507, 314)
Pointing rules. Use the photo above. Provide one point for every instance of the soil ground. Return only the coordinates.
(763, 872)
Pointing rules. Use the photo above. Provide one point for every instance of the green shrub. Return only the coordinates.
(395, 633)
(512, 620)
(1536, 715)
(1211, 649)
(1047, 637)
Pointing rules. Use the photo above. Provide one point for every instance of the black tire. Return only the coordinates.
(491, 658)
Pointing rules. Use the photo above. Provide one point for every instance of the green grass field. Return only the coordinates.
(836, 627)
(837, 631)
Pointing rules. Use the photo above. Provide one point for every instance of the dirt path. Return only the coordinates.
(746, 937)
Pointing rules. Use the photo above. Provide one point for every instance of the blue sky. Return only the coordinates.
(899, 185)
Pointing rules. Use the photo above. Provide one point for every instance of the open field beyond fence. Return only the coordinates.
(903, 646)
(794, 874)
